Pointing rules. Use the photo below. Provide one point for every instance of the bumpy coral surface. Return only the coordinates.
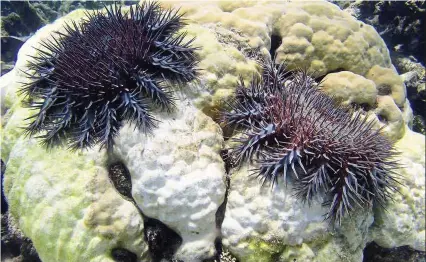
(315, 34)
(324, 38)
(350, 88)
(403, 223)
(178, 176)
(263, 225)
(67, 206)
(381, 92)
(259, 223)
(388, 83)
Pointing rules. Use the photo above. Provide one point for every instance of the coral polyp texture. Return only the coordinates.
(293, 130)
(111, 67)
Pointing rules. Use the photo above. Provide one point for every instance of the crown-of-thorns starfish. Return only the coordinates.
(294, 131)
(109, 68)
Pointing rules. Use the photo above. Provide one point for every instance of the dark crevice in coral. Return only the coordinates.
(416, 92)
(384, 90)
(224, 154)
(382, 118)
(364, 106)
(162, 241)
(220, 213)
(10, 47)
(276, 41)
(120, 178)
(14, 245)
(227, 131)
(419, 124)
(375, 253)
(123, 255)
(319, 79)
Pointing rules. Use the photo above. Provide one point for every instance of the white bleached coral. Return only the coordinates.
(178, 176)
(404, 221)
(262, 224)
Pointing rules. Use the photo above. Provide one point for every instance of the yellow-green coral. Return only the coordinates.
(388, 82)
(260, 250)
(349, 88)
(222, 62)
(316, 35)
(391, 116)
(66, 205)
(14, 121)
(331, 247)
(301, 253)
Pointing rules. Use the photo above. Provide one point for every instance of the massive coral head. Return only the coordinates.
(295, 132)
(111, 67)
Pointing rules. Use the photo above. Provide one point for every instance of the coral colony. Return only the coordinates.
(110, 68)
(294, 131)
(114, 66)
